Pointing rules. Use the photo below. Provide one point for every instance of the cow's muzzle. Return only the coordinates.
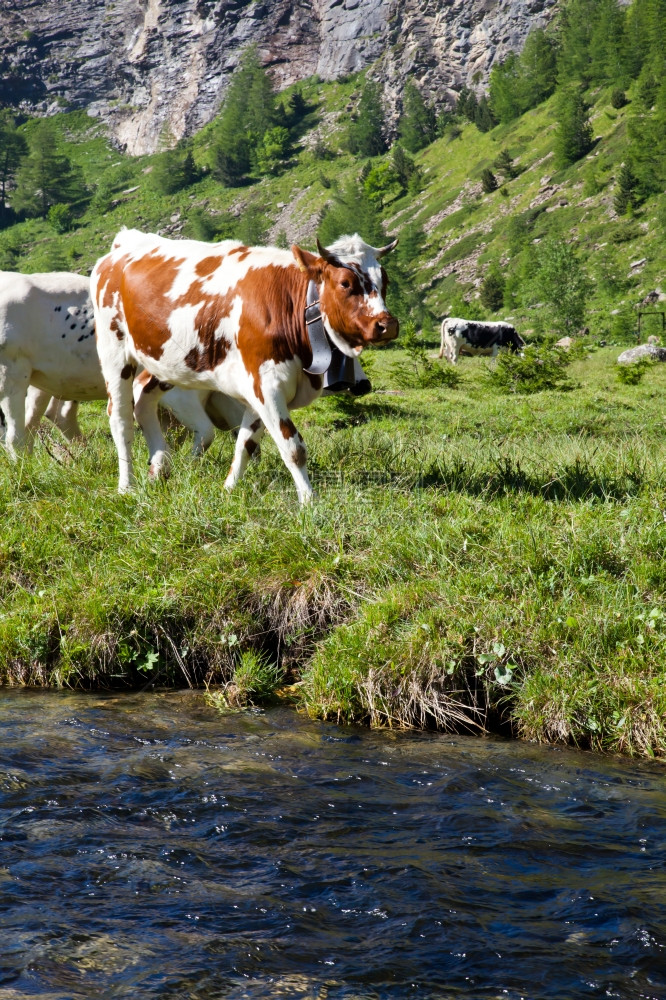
(385, 328)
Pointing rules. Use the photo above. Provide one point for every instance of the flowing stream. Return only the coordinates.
(150, 847)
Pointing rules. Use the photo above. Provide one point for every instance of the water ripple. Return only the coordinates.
(153, 849)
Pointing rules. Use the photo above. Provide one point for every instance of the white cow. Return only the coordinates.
(49, 362)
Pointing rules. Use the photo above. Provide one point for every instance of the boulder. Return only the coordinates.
(642, 351)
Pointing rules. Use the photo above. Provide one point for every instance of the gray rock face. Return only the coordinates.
(155, 66)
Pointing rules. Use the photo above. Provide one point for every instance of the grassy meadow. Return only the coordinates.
(473, 560)
(476, 558)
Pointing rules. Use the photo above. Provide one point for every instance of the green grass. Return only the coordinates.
(473, 560)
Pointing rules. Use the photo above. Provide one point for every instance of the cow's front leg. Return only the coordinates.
(275, 415)
(249, 435)
(148, 391)
(14, 382)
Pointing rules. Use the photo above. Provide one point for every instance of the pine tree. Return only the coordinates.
(521, 82)
(492, 289)
(249, 111)
(467, 104)
(560, 280)
(573, 138)
(418, 125)
(488, 180)
(351, 211)
(504, 88)
(406, 169)
(645, 37)
(297, 107)
(366, 132)
(646, 129)
(625, 197)
(483, 117)
(46, 177)
(174, 170)
(13, 148)
(576, 24)
(537, 69)
(504, 163)
(608, 62)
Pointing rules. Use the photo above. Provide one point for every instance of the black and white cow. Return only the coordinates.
(466, 336)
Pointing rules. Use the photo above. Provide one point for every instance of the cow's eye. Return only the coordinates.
(345, 283)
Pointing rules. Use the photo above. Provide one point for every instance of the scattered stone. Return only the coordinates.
(653, 297)
(638, 263)
(564, 342)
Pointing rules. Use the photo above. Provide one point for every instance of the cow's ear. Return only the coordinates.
(307, 262)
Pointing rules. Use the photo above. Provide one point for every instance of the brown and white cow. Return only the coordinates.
(230, 318)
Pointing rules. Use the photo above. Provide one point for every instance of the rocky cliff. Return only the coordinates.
(152, 66)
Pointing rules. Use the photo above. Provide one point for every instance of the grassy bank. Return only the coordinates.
(473, 560)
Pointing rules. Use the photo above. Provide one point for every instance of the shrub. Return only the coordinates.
(633, 373)
(419, 371)
(199, 225)
(61, 218)
(618, 98)
(320, 151)
(539, 369)
(273, 150)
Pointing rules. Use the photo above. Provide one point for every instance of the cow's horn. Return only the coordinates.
(379, 253)
(327, 255)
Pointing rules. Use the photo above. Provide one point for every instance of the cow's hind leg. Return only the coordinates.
(121, 421)
(148, 391)
(14, 382)
(64, 414)
(36, 403)
(441, 342)
(187, 407)
(275, 415)
(249, 435)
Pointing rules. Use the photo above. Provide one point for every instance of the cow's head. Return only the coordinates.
(352, 285)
